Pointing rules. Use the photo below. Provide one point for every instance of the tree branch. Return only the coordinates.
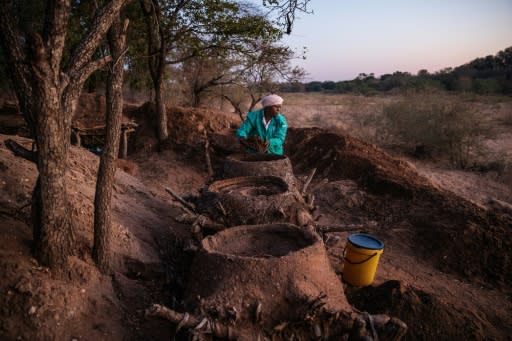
(187, 206)
(13, 48)
(54, 33)
(100, 25)
(92, 66)
(235, 105)
(286, 11)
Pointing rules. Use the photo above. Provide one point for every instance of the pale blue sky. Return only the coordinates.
(347, 37)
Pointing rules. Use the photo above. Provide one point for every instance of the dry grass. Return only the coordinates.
(362, 117)
(355, 115)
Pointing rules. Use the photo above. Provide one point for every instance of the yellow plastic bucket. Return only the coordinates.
(361, 257)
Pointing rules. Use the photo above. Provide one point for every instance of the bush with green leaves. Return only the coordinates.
(445, 124)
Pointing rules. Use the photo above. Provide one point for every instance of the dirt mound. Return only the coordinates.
(339, 157)
(342, 200)
(90, 111)
(11, 121)
(187, 126)
(88, 305)
(280, 268)
(429, 318)
(443, 223)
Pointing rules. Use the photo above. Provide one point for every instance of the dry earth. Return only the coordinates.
(446, 269)
(360, 116)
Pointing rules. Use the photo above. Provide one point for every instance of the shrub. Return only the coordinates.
(442, 123)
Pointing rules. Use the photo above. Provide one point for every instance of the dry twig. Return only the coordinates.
(339, 228)
(207, 155)
(187, 206)
(306, 184)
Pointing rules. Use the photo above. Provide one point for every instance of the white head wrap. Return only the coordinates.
(270, 100)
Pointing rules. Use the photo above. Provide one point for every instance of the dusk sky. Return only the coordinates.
(347, 37)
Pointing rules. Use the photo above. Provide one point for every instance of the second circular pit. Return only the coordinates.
(248, 200)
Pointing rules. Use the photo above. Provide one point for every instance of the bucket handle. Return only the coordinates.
(357, 263)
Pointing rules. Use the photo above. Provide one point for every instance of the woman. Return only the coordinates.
(264, 130)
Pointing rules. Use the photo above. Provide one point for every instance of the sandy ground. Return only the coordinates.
(441, 271)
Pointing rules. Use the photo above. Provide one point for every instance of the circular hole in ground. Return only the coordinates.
(259, 241)
(251, 186)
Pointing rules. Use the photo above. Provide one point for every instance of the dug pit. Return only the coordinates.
(263, 275)
(263, 242)
(250, 188)
(248, 200)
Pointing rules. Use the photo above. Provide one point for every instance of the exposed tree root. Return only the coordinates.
(317, 324)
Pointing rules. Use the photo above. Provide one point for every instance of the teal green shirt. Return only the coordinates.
(275, 134)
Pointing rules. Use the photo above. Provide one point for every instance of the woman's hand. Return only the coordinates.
(255, 143)
(261, 145)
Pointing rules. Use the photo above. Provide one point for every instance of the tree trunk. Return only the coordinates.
(55, 240)
(102, 250)
(161, 114)
(156, 61)
(236, 105)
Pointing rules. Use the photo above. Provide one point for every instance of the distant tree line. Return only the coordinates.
(487, 75)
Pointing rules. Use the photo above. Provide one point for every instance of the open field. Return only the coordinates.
(362, 117)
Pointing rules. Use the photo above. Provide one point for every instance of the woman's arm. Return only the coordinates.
(277, 139)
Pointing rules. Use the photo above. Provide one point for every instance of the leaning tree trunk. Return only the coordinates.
(102, 251)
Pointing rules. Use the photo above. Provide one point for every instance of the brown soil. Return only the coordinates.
(446, 269)
(249, 200)
(269, 273)
(237, 165)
